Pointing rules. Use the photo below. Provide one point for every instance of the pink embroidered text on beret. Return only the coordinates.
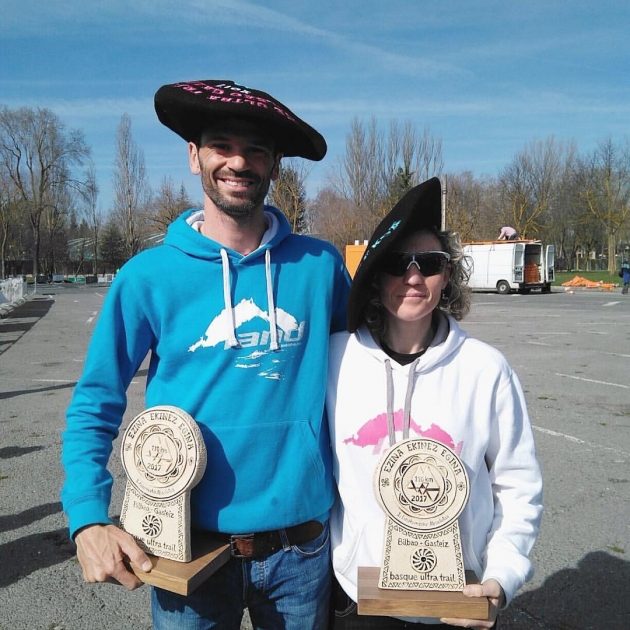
(187, 108)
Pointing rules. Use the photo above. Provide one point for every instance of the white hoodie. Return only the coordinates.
(463, 394)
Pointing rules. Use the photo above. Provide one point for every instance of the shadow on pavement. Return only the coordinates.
(17, 451)
(15, 521)
(39, 390)
(19, 558)
(592, 596)
(32, 310)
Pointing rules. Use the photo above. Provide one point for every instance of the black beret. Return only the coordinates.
(189, 107)
(420, 208)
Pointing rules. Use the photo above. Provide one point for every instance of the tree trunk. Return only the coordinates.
(612, 253)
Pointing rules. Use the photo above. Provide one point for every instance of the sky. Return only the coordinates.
(486, 78)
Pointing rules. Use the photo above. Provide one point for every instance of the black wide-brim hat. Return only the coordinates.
(420, 208)
(189, 107)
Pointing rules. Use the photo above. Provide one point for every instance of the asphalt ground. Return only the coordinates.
(571, 352)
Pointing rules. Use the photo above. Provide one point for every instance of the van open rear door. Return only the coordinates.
(550, 262)
(519, 262)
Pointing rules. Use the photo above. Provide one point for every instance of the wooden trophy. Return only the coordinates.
(164, 457)
(422, 486)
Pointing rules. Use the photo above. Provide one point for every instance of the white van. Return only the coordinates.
(506, 266)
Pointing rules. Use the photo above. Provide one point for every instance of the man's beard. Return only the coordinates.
(242, 211)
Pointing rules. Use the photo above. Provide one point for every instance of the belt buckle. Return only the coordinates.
(234, 550)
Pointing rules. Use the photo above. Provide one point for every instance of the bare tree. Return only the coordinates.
(37, 154)
(471, 207)
(92, 212)
(376, 171)
(528, 183)
(429, 160)
(167, 205)
(334, 218)
(604, 183)
(567, 224)
(288, 192)
(131, 188)
(54, 232)
(360, 177)
(9, 218)
(399, 174)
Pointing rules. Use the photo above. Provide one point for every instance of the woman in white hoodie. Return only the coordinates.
(406, 369)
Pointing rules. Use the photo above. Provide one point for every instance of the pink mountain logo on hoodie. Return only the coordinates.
(375, 433)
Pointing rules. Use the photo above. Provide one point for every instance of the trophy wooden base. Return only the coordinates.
(373, 600)
(208, 555)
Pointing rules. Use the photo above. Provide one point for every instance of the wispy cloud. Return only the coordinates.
(250, 14)
(194, 19)
(78, 110)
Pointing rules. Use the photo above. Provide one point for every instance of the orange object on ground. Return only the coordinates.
(579, 281)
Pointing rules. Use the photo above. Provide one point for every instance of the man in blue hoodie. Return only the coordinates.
(235, 313)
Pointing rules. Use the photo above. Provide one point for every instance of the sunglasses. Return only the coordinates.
(428, 263)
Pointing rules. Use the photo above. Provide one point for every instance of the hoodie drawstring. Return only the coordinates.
(390, 401)
(273, 328)
(408, 395)
(232, 341)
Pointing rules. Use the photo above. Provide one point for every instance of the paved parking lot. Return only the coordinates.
(571, 352)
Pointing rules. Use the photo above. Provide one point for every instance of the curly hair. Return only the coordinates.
(455, 299)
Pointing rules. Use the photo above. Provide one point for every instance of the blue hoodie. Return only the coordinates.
(238, 342)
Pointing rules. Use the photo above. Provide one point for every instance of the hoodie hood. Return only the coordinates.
(182, 235)
(448, 338)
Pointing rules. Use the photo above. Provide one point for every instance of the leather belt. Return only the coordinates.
(265, 543)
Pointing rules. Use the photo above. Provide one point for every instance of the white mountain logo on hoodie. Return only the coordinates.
(245, 311)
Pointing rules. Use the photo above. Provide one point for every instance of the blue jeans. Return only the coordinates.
(288, 590)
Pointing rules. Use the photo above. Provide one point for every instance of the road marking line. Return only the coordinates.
(91, 319)
(611, 303)
(538, 343)
(592, 380)
(570, 438)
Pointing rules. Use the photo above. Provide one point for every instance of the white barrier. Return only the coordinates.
(11, 290)
(106, 278)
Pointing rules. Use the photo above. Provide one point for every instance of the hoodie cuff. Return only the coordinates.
(90, 512)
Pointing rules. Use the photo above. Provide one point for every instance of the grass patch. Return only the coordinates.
(615, 549)
(594, 276)
(3, 477)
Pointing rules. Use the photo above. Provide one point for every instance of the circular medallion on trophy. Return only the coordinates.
(421, 484)
(163, 453)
